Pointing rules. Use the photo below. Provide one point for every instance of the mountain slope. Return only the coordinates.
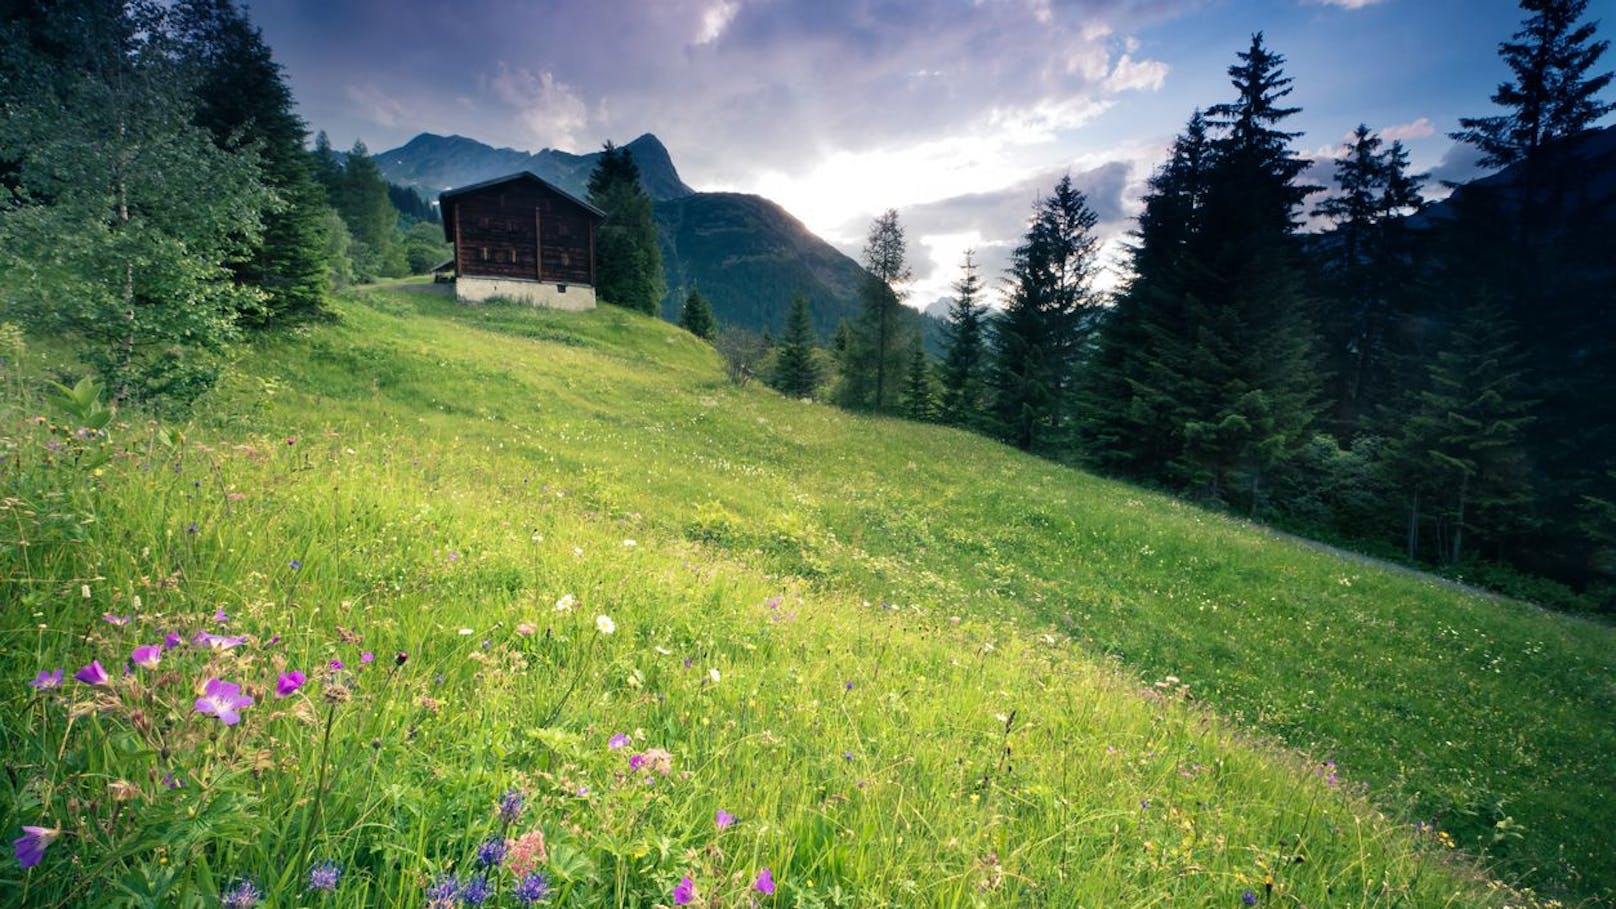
(916, 665)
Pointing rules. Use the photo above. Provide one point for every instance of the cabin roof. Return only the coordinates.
(450, 195)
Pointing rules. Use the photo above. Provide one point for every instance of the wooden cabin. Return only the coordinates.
(523, 238)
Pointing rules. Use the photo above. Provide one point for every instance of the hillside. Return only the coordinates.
(913, 664)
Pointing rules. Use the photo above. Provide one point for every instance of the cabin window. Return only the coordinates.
(485, 253)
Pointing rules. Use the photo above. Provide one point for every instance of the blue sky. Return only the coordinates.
(956, 112)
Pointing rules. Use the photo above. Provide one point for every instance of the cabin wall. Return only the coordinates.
(498, 234)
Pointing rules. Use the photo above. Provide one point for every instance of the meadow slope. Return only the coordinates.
(918, 667)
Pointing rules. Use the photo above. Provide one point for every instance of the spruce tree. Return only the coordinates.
(696, 316)
(628, 262)
(1552, 96)
(963, 371)
(1370, 261)
(918, 398)
(1136, 384)
(1460, 451)
(244, 102)
(873, 360)
(1038, 337)
(1254, 387)
(796, 373)
(359, 194)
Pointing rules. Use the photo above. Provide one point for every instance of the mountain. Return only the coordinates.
(433, 163)
(748, 256)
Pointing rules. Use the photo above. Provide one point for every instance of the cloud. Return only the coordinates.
(549, 111)
(1418, 129)
(1136, 75)
(376, 105)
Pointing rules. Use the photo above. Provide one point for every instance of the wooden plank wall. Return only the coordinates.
(496, 228)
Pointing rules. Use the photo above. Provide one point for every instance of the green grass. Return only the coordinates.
(1010, 736)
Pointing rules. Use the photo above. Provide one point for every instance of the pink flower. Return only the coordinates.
(147, 656)
(46, 680)
(685, 892)
(93, 674)
(366, 658)
(119, 620)
(526, 853)
(223, 700)
(526, 629)
(723, 819)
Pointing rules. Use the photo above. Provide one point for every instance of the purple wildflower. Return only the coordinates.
(402, 658)
(1249, 898)
(366, 658)
(173, 782)
(244, 895)
(295, 564)
(848, 687)
(93, 674)
(335, 665)
(636, 761)
(30, 847)
(685, 892)
(223, 700)
(510, 806)
(190, 529)
(172, 640)
(491, 852)
(442, 892)
(723, 819)
(764, 883)
(289, 682)
(476, 891)
(325, 876)
(619, 740)
(218, 641)
(220, 616)
(533, 888)
(147, 656)
(119, 620)
(47, 679)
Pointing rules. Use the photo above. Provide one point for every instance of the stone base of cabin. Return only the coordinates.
(570, 297)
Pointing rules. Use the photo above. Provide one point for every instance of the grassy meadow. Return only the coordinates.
(579, 623)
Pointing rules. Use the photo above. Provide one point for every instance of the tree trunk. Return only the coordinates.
(1414, 526)
(1458, 521)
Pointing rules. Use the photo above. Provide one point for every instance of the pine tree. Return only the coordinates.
(1253, 385)
(919, 398)
(628, 269)
(796, 373)
(964, 367)
(874, 357)
(1134, 388)
(696, 316)
(1372, 259)
(1038, 337)
(244, 102)
(1552, 95)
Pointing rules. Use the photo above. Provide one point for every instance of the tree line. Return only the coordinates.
(1434, 384)
(158, 200)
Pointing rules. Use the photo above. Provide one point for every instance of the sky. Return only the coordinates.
(957, 113)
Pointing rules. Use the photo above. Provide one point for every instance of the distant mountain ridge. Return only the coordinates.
(433, 163)
(746, 254)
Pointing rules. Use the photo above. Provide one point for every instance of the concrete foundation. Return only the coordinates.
(570, 297)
